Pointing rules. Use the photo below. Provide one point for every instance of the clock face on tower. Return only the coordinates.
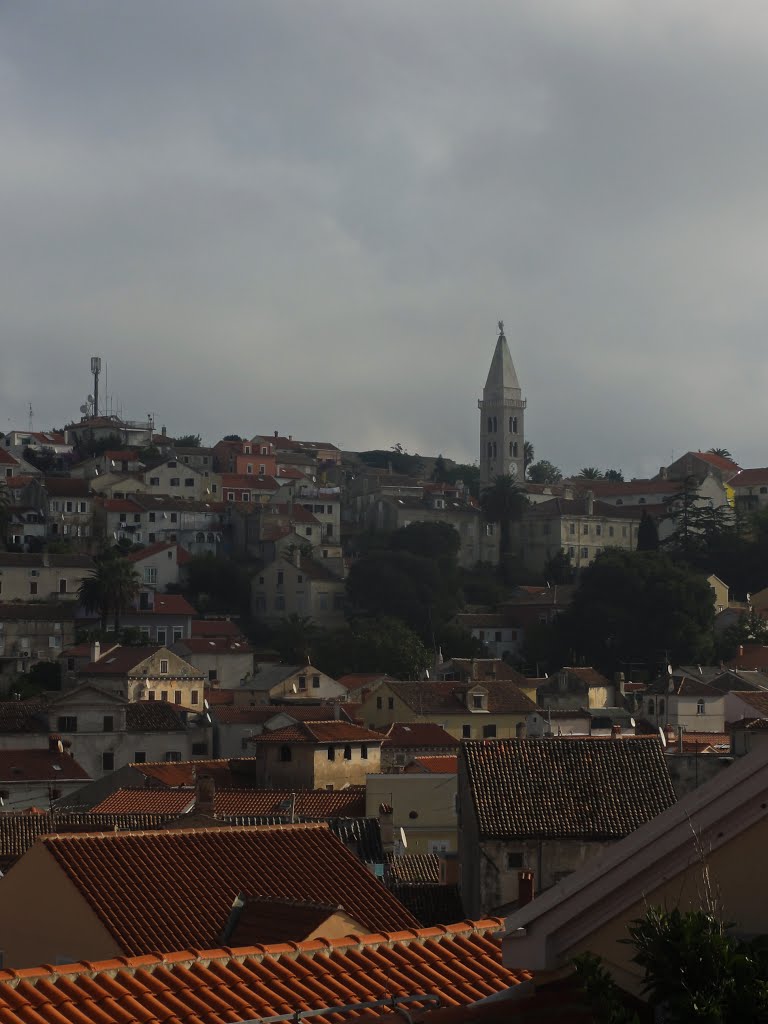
(513, 470)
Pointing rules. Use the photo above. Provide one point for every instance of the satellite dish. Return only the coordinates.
(83, 409)
(546, 675)
(632, 722)
(293, 687)
(60, 747)
(662, 737)
(206, 705)
(403, 838)
(90, 398)
(427, 673)
(669, 670)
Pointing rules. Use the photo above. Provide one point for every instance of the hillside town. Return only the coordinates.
(287, 728)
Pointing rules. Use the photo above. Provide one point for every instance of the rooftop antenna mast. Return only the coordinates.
(95, 370)
(31, 420)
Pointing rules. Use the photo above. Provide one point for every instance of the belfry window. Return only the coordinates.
(514, 449)
(490, 424)
(490, 450)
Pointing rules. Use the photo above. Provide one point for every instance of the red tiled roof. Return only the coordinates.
(6, 459)
(458, 964)
(566, 787)
(260, 713)
(67, 486)
(39, 766)
(437, 697)
(182, 555)
(757, 699)
(358, 680)
(749, 478)
(126, 455)
(264, 920)
(587, 674)
(183, 773)
(418, 734)
(297, 512)
(414, 867)
(438, 764)
(146, 801)
(240, 803)
(215, 627)
(697, 741)
(718, 460)
(335, 731)
(170, 604)
(121, 505)
(752, 656)
(216, 645)
(219, 697)
(196, 874)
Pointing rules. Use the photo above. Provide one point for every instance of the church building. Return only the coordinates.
(502, 408)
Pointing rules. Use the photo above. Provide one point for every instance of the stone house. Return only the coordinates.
(281, 684)
(317, 755)
(301, 586)
(160, 565)
(173, 478)
(42, 577)
(548, 806)
(575, 687)
(422, 804)
(31, 633)
(490, 708)
(403, 742)
(687, 702)
(235, 726)
(145, 674)
(70, 509)
(34, 777)
(227, 661)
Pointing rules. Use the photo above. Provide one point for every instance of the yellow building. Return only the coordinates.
(422, 805)
(467, 710)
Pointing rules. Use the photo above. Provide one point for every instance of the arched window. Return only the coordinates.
(209, 538)
(510, 449)
(490, 450)
(651, 707)
(511, 421)
(514, 449)
(494, 449)
(494, 425)
(514, 424)
(200, 537)
(700, 707)
(490, 424)
(285, 753)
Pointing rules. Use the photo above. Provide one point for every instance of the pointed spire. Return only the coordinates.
(502, 379)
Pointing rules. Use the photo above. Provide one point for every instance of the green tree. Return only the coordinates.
(188, 441)
(647, 533)
(559, 568)
(388, 645)
(697, 525)
(294, 638)
(503, 503)
(722, 452)
(641, 607)
(543, 472)
(614, 476)
(469, 475)
(110, 589)
(232, 437)
(528, 454)
(216, 584)
(439, 470)
(591, 473)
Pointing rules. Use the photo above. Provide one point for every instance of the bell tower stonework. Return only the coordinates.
(502, 411)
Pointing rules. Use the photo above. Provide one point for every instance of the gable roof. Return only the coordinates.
(197, 873)
(240, 803)
(438, 697)
(437, 764)
(119, 660)
(418, 734)
(215, 627)
(590, 788)
(259, 714)
(182, 555)
(39, 766)
(719, 461)
(756, 699)
(333, 731)
(183, 773)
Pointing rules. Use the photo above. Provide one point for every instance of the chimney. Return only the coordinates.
(524, 888)
(276, 434)
(663, 473)
(615, 732)
(163, 431)
(95, 650)
(620, 683)
(589, 499)
(205, 792)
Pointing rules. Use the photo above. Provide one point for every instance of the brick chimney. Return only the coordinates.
(615, 732)
(524, 888)
(205, 793)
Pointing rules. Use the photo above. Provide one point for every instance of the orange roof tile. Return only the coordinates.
(146, 801)
(457, 965)
(182, 773)
(240, 803)
(215, 627)
(418, 734)
(335, 731)
(41, 765)
(155, 549)
(440, 764)
(196, 874)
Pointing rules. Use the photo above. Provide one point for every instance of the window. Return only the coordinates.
(109, 723)
(194, 697)
(610, 531)
(189, 481)
(651, 707)
(68, 506)
(285, 753)
(700, 707)
(331, 753)
(154, 481)
(364, 752)
(302, 682)
(466, 732)
(249, 468)
(174, 519)
(477, 700)
(514, 860)
(262, 470)
(172, 464)
(177, 696)
(54, 641)
(161, 635)
(379, 703)
(150, 574)
(107, 761)
(153, 517)
(67, 723)
(571, 551)
(164, 695)
(230, 495)
(279, 604)
(497, 636)
(150, 694)
(489, 732)
(585, 552)
(661, 706)
(33, 588)
(348, 752)
(323, 601)
(598, 531)
(178, 634)
(391, 703)
(585, 529)
(308, 531)
(572, 528)
(163, 666)
(280, 577)
(173, 755)
(315, 682)
(139, 757)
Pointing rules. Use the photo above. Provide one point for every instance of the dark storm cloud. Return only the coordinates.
(309, 217)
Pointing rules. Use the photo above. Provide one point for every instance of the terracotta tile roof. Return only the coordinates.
(18, 831)
(449, 698)
(417, 734)
(566, 788)
(757, 699)
(119, 660)
(430, 902)
(334, 731)
(717, 460)
(688, 687)
(357, 680)
(215, 627)
(154, 716)
(215, 645)
(6, 459)
(751, 724)
(305, 862)
(749, 478)
(17, 611)
(67, 486)
(457, 964)
(121, 505)
(182, 555)
(147, 801)
(444, 764)
(479, 669)
(587, 675)
(752, 656)
(169, 604)
(21, 716)
(260, 713)
(720, 742)
(39, 766)
(183, 773)
(413, 867)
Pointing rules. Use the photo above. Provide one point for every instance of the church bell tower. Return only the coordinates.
(502, 411)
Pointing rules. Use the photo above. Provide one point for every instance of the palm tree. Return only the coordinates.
(591, 473)
(111, 587)
(528, 455)
(503, 503)
(722, 452)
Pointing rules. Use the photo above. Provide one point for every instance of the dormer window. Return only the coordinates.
(477, 700)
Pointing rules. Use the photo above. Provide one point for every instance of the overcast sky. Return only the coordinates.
(308, 216)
